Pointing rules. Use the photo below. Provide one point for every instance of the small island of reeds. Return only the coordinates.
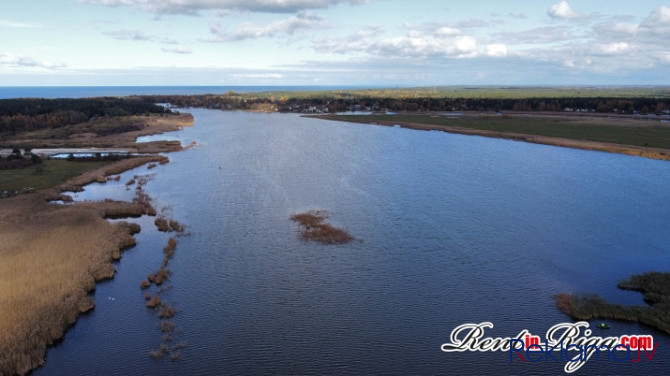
(315, 228)
(656, 289)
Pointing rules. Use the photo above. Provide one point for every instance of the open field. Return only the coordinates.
(45, 175)
(625, 135)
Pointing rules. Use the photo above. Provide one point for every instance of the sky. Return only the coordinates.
(333, 42)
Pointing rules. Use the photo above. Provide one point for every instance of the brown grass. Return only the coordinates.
(168, 250)
(154, 302)
(166, 326)
(176, 226)
(100, 174)
(315, 229)
(166, 311)
(162, 224)
(51, 257)
(168, 225)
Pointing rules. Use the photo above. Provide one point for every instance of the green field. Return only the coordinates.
(53, 172)
(618, 131)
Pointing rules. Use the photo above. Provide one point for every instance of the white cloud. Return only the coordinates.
(193, 6)
(257, 75)
(137, 35)
(614, 48)
(446, 31)
(20, 25)
(289, 26)
(496, 50)
(657, 24)
(129, 35)
(422, 42)
(562, 10)
(178, 50)
(10, 59)
(661, 15)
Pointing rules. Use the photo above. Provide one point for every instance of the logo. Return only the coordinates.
(569, 343)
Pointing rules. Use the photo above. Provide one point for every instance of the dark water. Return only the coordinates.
(122, 91)
(453, 229)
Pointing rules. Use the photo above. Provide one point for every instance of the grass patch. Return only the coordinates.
(47, 174)
(315, 229)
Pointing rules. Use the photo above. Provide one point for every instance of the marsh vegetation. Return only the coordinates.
(656, 289)
(314, 228)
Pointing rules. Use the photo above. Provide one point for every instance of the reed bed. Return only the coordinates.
(165, 310)
(100, 174)
(315, 229)
(52, 255)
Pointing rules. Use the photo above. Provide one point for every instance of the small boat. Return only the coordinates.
(602, 325)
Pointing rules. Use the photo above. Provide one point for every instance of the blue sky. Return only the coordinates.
(334, 42)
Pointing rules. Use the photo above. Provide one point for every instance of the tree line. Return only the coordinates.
(322, 102)
(28, 114)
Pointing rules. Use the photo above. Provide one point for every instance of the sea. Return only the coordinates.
(7, 92)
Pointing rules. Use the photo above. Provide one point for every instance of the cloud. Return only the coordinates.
(257, 75)
(657, 24)
(496, 50)
(20, 25)
(540, 35)
(613, 48)
(137, 35)
(129, 35)
(192, 7)
(562, 10)
(435, 43)
(301, 21)
(178, 50)
(13, 60)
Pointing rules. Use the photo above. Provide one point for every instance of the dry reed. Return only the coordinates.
(51, 257)
(154, 302)
(315, 229)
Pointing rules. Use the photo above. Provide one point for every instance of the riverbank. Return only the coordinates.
(622, 135)
(53, 255)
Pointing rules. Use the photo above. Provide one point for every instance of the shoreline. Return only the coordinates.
(53, 256)
(632, 150)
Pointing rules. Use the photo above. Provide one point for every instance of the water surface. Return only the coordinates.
(452, 229)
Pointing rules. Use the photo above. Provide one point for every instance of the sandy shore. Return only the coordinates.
(51, 256)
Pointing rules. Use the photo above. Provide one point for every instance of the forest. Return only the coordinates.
(30, 114)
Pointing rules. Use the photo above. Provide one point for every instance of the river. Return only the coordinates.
(450, 229)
